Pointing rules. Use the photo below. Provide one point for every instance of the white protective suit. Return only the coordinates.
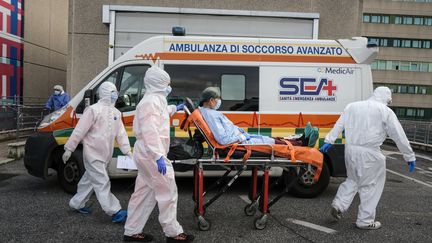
(99, 126)
(152, 130)
(367, 124)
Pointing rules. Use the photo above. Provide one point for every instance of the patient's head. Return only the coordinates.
(211, 98)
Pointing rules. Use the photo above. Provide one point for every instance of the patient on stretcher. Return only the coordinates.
(225, 132)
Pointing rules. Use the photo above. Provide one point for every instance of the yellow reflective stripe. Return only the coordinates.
(61, 140)
(282, 132)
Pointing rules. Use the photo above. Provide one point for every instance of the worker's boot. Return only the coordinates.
(336, 213)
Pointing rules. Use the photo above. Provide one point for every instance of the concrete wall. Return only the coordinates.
(88, 36)
(45, 46)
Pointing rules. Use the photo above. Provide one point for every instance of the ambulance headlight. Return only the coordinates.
(52, 117)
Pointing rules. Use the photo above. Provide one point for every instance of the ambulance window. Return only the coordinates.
(233, 87)
(239, 84)
(112, 78)
(131, 87)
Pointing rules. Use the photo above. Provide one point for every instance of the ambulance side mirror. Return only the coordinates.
(89, 98)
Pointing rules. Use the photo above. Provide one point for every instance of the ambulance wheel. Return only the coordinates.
(203, 224)
(250, 209)
(305, 187)
(70, 173)
(261, 223)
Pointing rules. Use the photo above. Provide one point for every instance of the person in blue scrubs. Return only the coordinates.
(58, 99)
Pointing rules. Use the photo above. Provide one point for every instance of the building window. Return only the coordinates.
(410, 112)
(411, 90)
(424, 67)
(421, 90)
(418, 20)
(401, 65)
(407, 20)
(415, 44)
(376, 19)
(374, 64)
(382, 64)
(400, 112)
(420, 112)
(406, 43)
(404, 66)
(397, 19)
(366, 18)
(415, 66)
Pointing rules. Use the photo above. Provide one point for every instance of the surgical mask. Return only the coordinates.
(56, 92)
(114, 97)
(168, 90)
(218, 104)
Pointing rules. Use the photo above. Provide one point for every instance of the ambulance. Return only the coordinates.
(268, 86)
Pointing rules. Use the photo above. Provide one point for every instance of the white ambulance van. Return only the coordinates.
(268, 86)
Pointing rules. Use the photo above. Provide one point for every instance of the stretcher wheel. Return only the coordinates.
(261, 223)
(250, 209)
(203, 224)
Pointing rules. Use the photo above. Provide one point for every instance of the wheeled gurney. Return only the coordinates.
(240, 157)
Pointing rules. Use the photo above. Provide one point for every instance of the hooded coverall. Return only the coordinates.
(152, 131)
(99, 126)
(367, 124)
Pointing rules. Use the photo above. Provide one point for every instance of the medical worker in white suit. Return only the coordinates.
(98, 128)
(367, 124)
(155, 183)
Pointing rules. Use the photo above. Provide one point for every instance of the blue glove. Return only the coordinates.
(411, 165)
(325, 148)
(180, 107)
(161, 165)
(247, 136)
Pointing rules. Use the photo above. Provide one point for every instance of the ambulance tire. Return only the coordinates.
(70, 173)
(301, 190)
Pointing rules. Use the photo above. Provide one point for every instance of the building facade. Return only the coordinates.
(11, 48)
(45, 46)
(99, 31)
(403, 30)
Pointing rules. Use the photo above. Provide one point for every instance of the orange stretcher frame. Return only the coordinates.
(279, 155)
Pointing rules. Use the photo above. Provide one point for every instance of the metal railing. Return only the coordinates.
(18, 114)
(418, 131)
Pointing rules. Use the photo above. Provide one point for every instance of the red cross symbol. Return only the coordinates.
(330, 88)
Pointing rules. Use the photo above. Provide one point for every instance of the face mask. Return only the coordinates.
(218, 104)
(56, 92)
(168, 90)
(114, 97)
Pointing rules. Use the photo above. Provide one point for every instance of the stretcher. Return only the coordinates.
(241, 157)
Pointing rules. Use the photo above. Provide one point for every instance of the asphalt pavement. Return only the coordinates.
(36, 210)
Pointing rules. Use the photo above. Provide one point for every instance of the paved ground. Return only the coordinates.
(35, 210)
